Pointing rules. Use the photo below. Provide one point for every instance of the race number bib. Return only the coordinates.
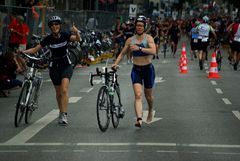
(237, 39)
(204, 39)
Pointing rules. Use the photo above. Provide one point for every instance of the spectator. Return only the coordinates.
(14, 37)
(23, 31)
(8, 69)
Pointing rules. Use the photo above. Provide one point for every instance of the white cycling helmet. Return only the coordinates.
(205, 19)
(142, 19)
(54, 19)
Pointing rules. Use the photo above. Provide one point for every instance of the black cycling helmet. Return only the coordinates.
(54, 19)
(142, 19)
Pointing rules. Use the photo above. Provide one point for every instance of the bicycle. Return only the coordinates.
(28, 98)
(109, 99)
(218, 54)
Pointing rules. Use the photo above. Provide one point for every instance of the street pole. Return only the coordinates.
(96, 5)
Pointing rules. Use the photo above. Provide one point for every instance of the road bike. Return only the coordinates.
(28, 98)
(109, 104)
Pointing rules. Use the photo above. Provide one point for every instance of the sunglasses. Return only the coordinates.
(54, 24)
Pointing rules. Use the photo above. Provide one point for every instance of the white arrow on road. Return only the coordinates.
(154, 119)
(159, 80)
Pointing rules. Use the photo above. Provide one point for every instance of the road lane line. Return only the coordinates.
(13, 151)
(79, 151)
(226, 101)
(214, 83)
(50, 151)
(219, 91)
(237, 114)
(166, 151)
(114, 151)
(74, 99)
(224, 153)
(48, 80)
(138, 144)
(86, 90)
(33, 129)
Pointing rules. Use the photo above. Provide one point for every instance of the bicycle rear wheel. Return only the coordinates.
(116, 107)
(20, 107)
(103, 108)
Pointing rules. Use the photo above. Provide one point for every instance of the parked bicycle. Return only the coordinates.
(109, 99)
(28, 98)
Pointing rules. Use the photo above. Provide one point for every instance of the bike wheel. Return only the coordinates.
(116, 107)
(103, 108)
(30, 106)
(20, 107)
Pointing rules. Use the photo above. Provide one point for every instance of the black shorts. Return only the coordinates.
(57, 74)
(157, 41)
(202, 46)
(236, 46)
(194, 44)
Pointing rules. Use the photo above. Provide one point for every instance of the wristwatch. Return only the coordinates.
(140, 48)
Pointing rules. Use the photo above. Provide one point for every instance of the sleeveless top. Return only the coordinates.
(143, 44)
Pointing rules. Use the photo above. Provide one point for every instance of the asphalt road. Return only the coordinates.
(196, 119)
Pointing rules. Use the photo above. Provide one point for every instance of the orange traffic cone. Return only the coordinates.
(183, 61)
(213, 67)
(183, 66)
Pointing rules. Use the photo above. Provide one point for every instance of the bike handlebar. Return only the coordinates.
(100, 74)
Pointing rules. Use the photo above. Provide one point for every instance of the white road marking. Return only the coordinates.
(219, 91)
(74, 99)
(154, 119)
(97, 81)
(33, 129)
(79, 151)
(140, 144)
(214, 82)
(87, 90)
(48, 80)
(13, 151)
(207, 71)
(206, 67)
(159, 80)
(114, 151)
(224, 153)
(166, 151)
(237, 114)
(49, 151)
(226, 101)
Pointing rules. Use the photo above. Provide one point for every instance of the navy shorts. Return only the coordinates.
(143, 75)
(57, 74)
